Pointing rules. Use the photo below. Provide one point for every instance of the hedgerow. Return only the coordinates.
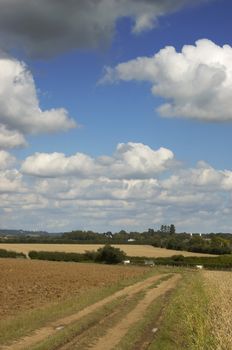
(11, 254)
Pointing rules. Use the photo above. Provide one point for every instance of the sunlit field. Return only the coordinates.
(130, 250)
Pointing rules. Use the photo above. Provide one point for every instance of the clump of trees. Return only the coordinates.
(169, 229)
(110, 255)
(199, 244)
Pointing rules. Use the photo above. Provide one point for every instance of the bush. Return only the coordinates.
(178, 257)
(91, 255)
(110, 255)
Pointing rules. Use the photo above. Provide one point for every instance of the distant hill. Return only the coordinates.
(7, 232)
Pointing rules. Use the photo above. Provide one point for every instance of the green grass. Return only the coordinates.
(185, 324)
(28, 321)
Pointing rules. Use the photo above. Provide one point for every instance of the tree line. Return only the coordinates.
(165, 237)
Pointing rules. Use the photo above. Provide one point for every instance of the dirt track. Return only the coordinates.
(117, 332)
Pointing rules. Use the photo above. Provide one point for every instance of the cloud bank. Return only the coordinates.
(47, 27)
(135, 188)
(196, 82)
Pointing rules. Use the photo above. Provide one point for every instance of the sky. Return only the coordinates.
(116, 114)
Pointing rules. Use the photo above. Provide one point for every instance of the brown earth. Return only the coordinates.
(28, 284)
(130, 250)
(117, 332)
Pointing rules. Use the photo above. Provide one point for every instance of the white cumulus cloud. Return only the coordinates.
(138, 160)
(11, 182)
(131, 160)
(196, 82)
(57, 164)
(11, 138)
(6, 160)
(19, 104)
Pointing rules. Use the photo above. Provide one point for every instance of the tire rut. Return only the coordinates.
(115, 334)
(42, 333)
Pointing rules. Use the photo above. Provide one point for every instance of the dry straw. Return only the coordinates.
(219, 288)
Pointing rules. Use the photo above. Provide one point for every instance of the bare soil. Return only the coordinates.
(29, 284)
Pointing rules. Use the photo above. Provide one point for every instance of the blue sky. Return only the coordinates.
(109, 114)
(168, 169)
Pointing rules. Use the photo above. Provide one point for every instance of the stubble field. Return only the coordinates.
(130, 250)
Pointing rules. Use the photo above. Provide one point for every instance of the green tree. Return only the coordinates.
(110, 255)
(172, 229)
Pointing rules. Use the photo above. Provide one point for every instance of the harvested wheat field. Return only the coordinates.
(27, 284)
(220, 306)
(130, 250)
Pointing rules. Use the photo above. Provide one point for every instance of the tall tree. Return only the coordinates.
(172, 229)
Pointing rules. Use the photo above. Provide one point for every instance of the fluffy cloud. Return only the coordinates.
(19, 106)
(50, 26)
(11, 182)
(11, 138)
(138, 160)
(131, 160)
(196, 82)
(202, 178)
(130, 190)
(20, 113)
(57, 164)
(6, 160)
(10, 178)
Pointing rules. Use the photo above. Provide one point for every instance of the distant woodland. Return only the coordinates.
(165, 237)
